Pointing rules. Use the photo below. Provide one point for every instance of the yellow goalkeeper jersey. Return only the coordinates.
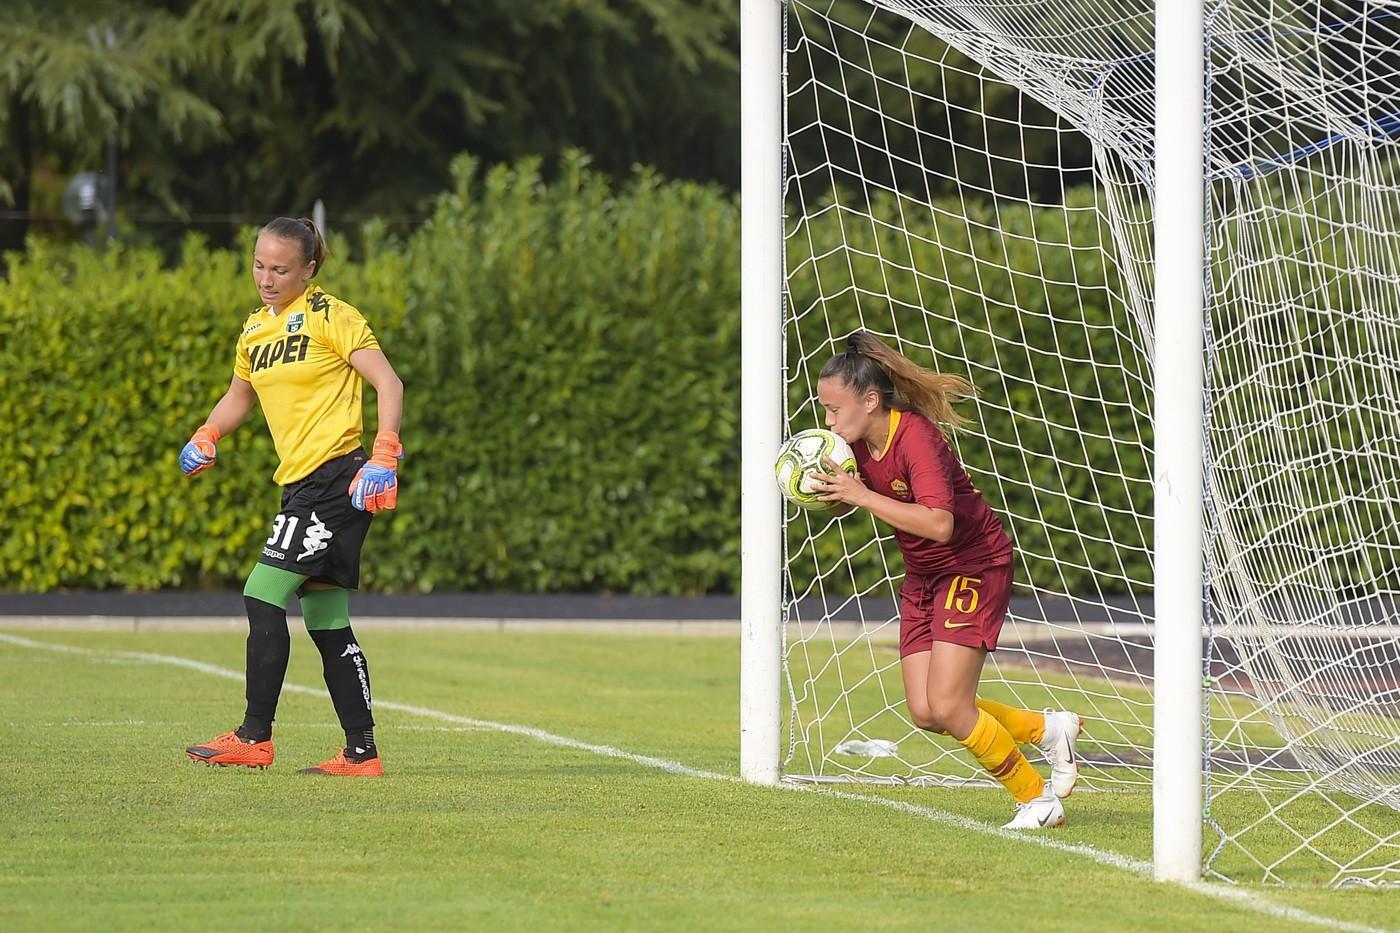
(299, 364)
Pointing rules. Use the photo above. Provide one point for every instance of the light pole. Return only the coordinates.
(109, 39)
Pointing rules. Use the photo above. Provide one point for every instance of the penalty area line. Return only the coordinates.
(1236, 896)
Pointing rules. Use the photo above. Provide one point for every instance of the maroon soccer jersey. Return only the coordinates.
(919, 466)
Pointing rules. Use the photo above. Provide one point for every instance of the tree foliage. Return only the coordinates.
(568, 350)
(252, 107)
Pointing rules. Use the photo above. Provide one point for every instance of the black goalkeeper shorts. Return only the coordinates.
(318, 533)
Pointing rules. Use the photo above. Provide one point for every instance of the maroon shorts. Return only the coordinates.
(962, 608)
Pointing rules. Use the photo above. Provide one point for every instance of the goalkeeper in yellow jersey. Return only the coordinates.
(302, 355)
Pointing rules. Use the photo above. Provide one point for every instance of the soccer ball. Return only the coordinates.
(804, 454)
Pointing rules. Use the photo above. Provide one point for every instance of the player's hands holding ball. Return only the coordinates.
(803, 457)
(837, 486)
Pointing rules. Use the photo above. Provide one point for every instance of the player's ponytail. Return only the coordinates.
(301, 231)
(870, 363)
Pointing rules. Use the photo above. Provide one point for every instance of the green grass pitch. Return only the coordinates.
(105, 823)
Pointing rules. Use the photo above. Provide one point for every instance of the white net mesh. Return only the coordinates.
(973, 181)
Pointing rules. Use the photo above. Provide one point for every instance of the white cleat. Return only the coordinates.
(1061, 729)
(1044, 812)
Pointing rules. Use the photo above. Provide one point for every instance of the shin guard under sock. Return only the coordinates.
(996, 751)
(269, 647)
(347, 678)
(1026, 726)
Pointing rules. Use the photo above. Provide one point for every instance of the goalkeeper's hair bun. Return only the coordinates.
(301, 231)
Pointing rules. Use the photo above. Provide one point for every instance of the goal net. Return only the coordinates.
(974, 182)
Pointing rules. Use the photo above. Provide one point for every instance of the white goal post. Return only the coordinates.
(1177, 586)
(1167, 253)
(761, 428)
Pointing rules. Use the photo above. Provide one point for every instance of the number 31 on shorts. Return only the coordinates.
(289, 522)
(962, 594)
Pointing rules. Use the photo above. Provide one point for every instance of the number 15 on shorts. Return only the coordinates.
(962, 595)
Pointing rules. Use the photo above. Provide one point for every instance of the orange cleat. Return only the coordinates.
(229, 749)
(340, 766)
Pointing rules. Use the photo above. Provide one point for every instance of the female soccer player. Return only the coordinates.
(957, 562)
(302, 355)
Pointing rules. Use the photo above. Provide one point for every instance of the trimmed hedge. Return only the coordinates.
(570, 359)
(570, 352)
(1029, 305)
(1020, 301)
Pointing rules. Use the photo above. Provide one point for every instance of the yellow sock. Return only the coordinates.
(996, 751)
(1026, 726)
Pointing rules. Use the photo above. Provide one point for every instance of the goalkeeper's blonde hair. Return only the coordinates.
(870, 363)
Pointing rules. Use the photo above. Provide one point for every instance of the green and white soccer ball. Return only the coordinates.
(804, 454)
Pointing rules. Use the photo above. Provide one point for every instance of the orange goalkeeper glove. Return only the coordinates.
(376, 486)
(199, 453)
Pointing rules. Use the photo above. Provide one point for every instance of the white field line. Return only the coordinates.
(118, 723)
(1237, 896)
